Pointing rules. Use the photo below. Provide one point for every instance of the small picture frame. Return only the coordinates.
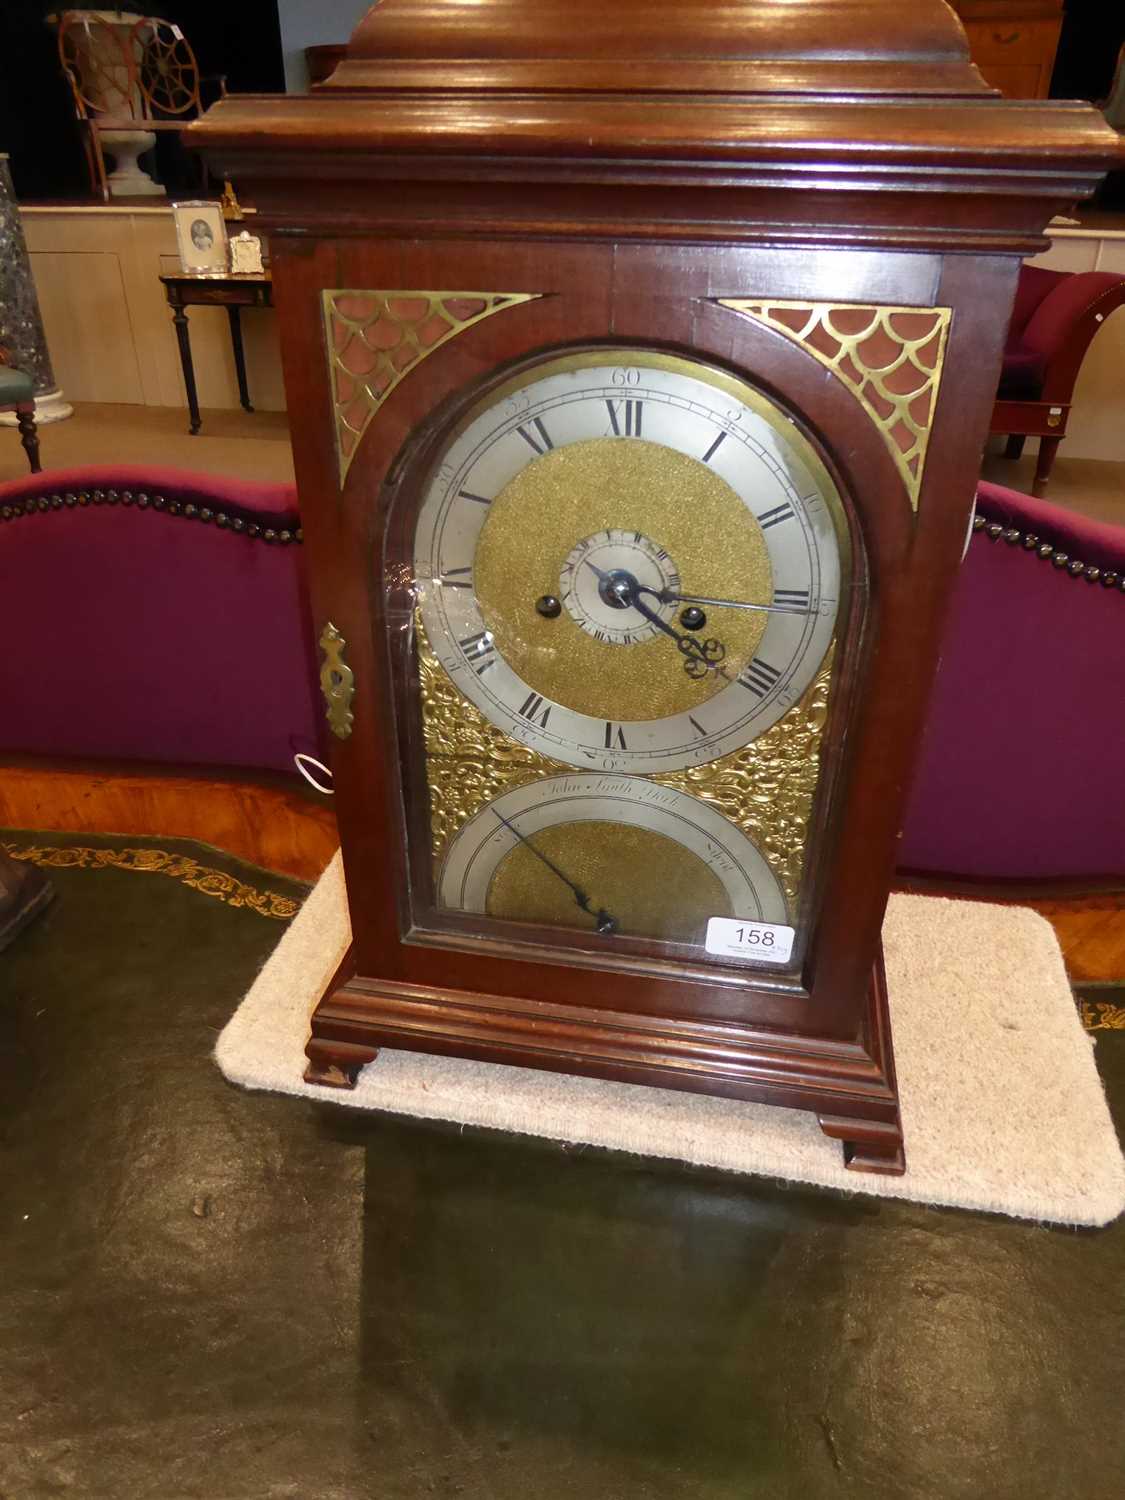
(201, 236)
(246, 255)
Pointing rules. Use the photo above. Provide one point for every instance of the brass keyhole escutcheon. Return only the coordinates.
(337, 682)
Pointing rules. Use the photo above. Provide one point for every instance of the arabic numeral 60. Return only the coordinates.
(626, 376)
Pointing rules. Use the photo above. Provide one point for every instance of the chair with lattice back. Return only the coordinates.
(128, 83)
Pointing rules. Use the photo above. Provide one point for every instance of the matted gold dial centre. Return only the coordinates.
(653, 886)
(635, 488)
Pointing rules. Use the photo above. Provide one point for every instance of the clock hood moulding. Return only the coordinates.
(535, 114)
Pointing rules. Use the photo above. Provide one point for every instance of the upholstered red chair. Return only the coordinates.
(1021, 774)
(1054, 320)
(154, 615)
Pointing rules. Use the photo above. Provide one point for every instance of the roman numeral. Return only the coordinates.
(615, 735)
(479, 648)
(539, 440)
(698, 727)
(536, 710)
(631, 412)
(792, 598)
(779, 513)
(759, 677)
(456, 578)
(468, 495)
(709, 455)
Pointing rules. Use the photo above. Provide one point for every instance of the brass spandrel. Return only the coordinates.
(373, 339)
(890, 358)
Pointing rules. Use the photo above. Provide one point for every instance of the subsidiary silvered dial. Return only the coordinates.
(629, 561)
(609, 855)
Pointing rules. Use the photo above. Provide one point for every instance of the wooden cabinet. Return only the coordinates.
(1013, 42)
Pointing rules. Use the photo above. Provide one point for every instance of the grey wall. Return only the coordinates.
(311, 23)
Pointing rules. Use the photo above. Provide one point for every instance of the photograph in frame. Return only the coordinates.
(246, 255)
(201, 237)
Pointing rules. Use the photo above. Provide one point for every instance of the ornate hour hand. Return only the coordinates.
(700, 657)
(605, 922)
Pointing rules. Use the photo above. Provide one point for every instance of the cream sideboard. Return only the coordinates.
(108, 325)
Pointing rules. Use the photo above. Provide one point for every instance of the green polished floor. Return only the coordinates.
(210, 1293)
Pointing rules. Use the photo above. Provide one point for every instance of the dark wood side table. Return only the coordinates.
(232, 292)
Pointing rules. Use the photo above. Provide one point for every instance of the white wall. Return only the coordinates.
(313, 23)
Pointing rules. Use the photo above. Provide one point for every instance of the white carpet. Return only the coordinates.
(1002, 1105)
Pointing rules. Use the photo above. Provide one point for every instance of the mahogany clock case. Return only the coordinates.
(665, 296)
(549, 150)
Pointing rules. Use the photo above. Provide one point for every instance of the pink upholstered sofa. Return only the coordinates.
(154, 615)
(161, 616)
(1022, 776)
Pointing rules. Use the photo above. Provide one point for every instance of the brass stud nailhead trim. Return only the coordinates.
(1059, 559)
(188, 512)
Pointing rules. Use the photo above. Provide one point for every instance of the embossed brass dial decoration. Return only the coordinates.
(766, 788)
(643, 489)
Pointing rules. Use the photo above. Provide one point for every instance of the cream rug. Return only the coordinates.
(1002, 1105)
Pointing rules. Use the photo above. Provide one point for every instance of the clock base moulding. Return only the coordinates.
(849, 1085)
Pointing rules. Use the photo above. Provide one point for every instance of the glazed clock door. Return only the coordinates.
(629, 570)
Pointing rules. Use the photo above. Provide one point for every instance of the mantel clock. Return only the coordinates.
(640, 362)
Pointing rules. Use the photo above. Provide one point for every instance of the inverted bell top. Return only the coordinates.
(662, 46)
(857, 100)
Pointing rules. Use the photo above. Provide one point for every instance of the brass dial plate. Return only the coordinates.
(723, 496)
(528, 498)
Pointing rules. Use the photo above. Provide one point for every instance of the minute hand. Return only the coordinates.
(670, 596)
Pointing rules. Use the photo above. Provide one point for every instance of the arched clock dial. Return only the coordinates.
(609, 855)
(630, 561)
